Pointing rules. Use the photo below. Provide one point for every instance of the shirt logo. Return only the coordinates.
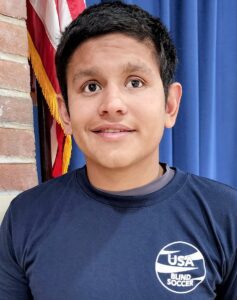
(180, 267)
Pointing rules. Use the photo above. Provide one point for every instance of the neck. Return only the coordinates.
(121, 179)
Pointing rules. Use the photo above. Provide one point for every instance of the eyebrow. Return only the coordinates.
(86, 73)
(128, 68)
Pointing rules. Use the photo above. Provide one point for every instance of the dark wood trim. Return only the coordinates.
(45, 122)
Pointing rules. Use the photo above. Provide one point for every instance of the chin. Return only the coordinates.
(112, 162)
(115, 164)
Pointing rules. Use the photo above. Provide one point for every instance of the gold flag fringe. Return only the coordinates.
(50, 97)
(67, 149)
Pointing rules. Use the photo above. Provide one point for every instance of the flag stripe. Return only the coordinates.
(47, 12)
(46, 20)
(76, 7)
(43, 46)
(42, 77)
(64, 14)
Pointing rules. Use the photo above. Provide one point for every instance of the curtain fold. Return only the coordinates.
(207, 35)
(204, 139)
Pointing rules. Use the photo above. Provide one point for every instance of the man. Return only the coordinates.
(125, 226)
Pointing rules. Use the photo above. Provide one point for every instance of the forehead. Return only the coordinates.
(115, 47)
(119, 35)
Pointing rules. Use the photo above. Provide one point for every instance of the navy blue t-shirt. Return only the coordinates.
(65, 240)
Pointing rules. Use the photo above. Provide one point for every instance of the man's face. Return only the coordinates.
(116, 102)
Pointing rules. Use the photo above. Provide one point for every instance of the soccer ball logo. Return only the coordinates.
(180, 267)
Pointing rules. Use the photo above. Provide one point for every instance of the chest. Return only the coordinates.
(124, 256)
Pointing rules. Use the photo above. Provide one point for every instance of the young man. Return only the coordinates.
(125, 226)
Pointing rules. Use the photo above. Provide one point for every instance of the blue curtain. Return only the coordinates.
(204, 139)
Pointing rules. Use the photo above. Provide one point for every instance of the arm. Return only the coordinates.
(13, 283)
(228, 289)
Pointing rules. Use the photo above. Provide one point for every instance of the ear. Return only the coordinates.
(172, 104)
(64, 114)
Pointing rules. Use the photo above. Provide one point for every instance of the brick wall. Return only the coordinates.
(17, 146)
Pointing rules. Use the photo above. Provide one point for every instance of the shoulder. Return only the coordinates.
(215, 206)
(34, 213)
(213, 200)
(43, 198)
(216, 192)
(216, 203)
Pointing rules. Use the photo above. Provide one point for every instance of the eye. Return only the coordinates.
(91, 87)
(135, 83)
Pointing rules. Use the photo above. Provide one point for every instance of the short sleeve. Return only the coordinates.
(228, 289)
(13, 283)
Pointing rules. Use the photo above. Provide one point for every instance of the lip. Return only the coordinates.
(110, 127)
(113, 131)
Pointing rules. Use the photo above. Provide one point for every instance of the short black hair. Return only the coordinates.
(116, 17)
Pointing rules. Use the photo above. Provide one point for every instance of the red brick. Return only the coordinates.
(17, 110)
(15, 76)
(17, 176)
(13, 39)
(13, 8)
(17, 142)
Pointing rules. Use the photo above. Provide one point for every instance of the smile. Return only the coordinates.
(112, 131)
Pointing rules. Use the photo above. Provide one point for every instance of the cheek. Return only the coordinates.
(150, 116)
(81, 114)
(152, 126)
(78, 123)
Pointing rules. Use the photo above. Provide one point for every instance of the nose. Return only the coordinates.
(112, 102)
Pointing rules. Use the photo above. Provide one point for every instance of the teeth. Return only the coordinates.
(112, 130)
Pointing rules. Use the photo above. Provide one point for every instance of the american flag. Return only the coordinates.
(46, 19)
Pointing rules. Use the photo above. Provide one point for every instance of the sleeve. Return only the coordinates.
(228, 289)
(13, 283)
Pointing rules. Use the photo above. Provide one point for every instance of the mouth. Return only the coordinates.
(113, 133)
(111, 130)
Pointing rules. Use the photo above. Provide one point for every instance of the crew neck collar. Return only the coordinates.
(158, 196)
